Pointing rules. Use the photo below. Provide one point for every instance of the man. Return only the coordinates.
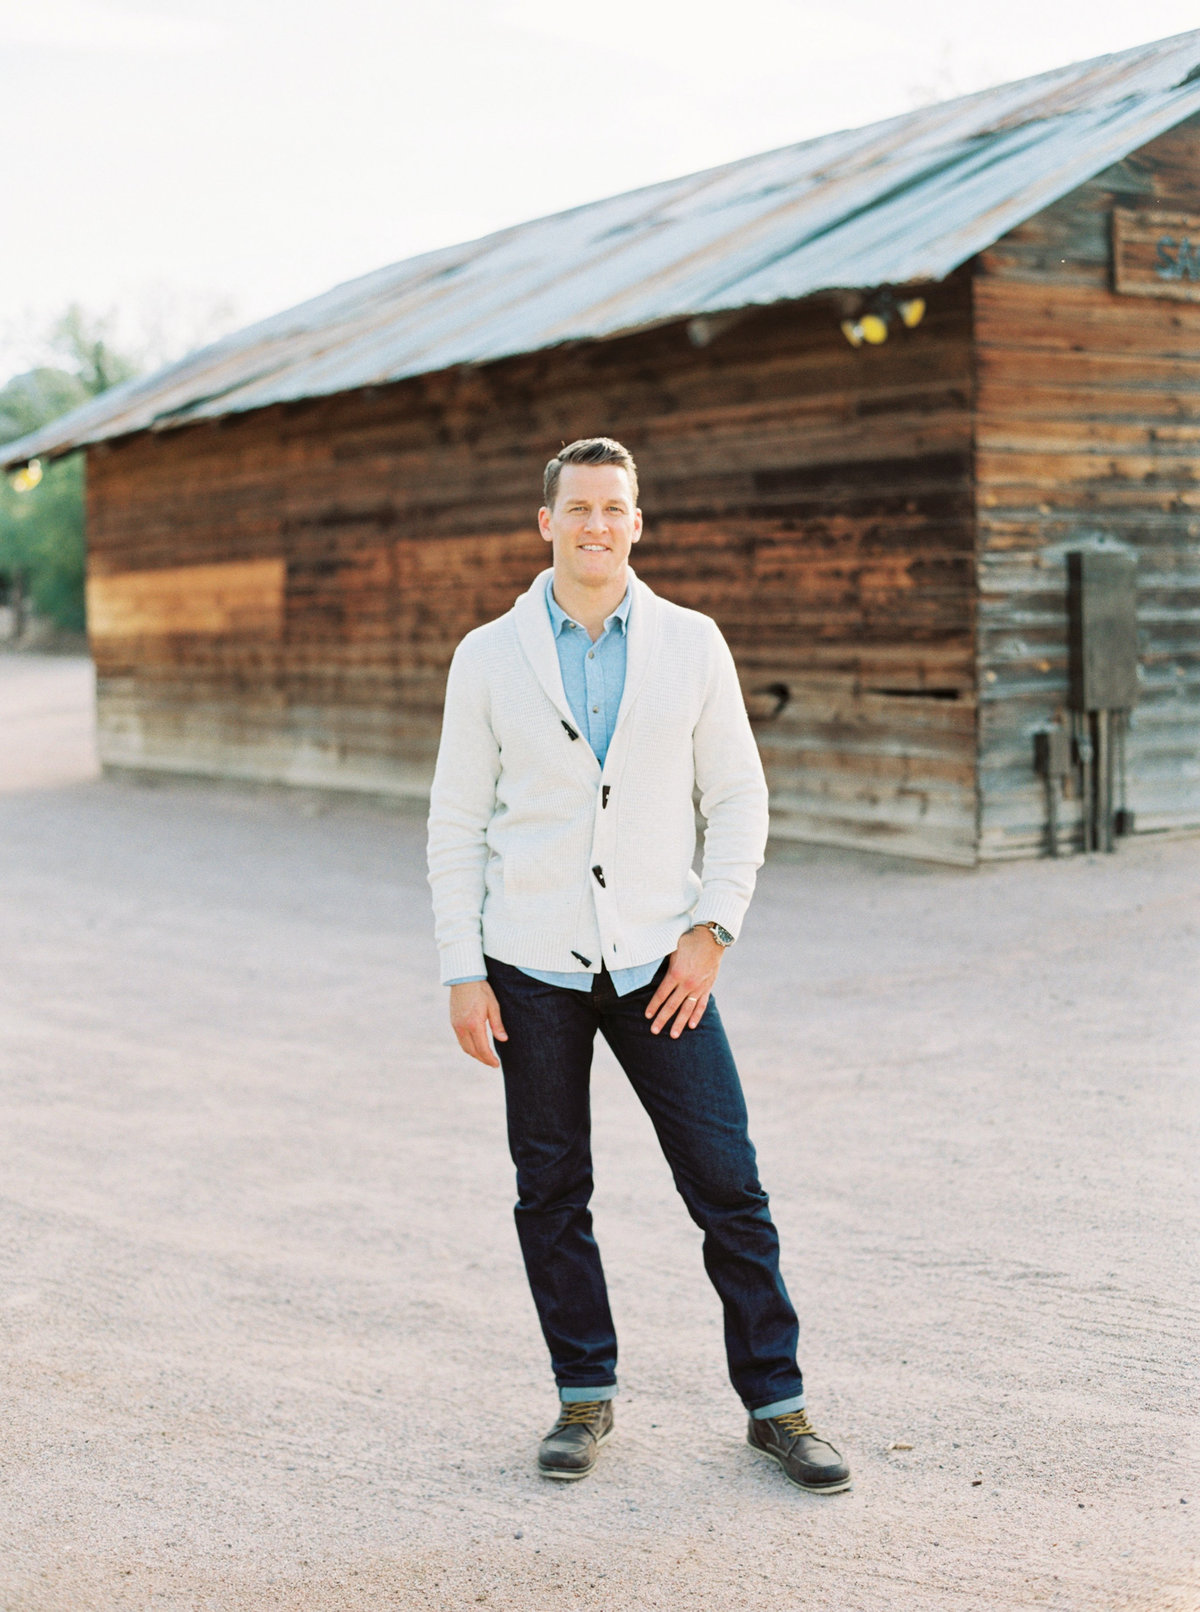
(561, 840)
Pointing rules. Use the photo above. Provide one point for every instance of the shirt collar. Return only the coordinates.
(560, 621)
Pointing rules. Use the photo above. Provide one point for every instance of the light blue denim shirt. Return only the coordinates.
(593, 676)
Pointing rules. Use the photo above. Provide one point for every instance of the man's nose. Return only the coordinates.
(596, 521)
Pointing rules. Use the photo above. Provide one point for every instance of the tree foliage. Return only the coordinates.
(41, 531)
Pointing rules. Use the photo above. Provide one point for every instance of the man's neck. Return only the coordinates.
(591, 607)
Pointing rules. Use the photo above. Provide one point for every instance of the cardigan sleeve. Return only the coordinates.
(733, 796)
(461, 806)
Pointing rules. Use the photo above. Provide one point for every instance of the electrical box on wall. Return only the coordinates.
(1102, 618)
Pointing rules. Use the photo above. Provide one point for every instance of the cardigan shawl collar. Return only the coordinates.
(535, 633)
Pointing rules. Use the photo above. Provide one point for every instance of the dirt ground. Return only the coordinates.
(266, 1340)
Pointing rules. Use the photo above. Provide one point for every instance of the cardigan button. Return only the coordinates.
(598, 871)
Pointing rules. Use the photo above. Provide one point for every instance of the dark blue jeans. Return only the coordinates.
(691, 1091)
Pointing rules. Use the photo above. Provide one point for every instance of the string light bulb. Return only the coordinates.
(874, 325)
(27, 478)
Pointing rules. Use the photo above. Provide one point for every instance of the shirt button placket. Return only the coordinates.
(594, 685)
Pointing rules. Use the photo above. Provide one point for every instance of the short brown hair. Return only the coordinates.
(588, 451)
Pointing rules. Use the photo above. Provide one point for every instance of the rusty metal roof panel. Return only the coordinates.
(908, 199)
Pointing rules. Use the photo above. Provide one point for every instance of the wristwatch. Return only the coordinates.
(719, 933)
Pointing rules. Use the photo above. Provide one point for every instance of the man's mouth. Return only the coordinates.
(594, 548)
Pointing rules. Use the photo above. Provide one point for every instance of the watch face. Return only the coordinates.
(722, 934)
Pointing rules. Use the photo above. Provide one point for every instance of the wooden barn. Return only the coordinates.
(890, 392)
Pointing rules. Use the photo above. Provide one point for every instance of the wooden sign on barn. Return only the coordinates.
(1156, 254)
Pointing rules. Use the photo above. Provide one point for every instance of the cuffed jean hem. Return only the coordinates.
(778, 1407)
(580, 1396)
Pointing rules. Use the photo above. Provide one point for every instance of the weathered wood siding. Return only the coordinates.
(816, 500)
(1088, 433)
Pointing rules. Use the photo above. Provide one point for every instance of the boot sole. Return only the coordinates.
(561, 1475)
(809, 1488)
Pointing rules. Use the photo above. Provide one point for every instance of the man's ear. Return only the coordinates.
(544, 523)
(637, 525)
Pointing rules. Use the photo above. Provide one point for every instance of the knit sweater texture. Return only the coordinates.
(540, 857)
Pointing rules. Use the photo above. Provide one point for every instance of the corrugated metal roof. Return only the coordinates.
(905, 200)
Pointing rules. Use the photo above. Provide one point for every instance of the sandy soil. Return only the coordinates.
(266, 1340)
(47, 732)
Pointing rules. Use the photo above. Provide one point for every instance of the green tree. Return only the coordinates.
(85, 343)
(41, 530)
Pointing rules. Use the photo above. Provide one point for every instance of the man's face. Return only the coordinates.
(593, 524)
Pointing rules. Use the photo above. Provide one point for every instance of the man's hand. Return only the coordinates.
(684, 991)
(473, 1011)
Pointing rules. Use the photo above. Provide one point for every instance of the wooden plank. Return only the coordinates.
(1120, 383)
(230, 598)
(1058, 318)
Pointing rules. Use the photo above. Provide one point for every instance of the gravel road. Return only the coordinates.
(266, 1340)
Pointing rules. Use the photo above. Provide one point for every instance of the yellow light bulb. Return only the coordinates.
(874, 329)
(913, 311)
(853, 332)
(27, 478)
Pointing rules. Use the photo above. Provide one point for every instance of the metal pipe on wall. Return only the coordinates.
(1104, 780)
(1084, 750)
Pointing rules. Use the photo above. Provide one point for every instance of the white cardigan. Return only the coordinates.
(542, 859)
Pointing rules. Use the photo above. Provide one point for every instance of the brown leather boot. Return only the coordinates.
(808, 1460)
(570, 1448)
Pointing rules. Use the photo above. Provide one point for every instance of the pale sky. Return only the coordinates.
(161, 158)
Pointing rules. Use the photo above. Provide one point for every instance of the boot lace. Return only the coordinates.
(585, 1411)
(795, 1424)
